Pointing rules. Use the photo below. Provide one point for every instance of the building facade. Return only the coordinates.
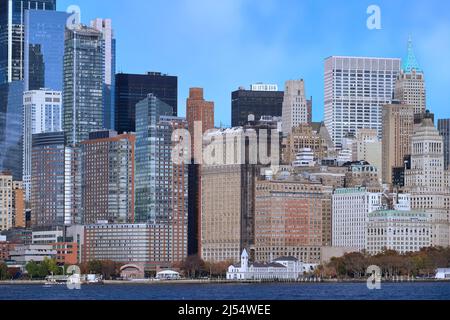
(83, 83)
(398, 127)
(132, 88)
(368, 147)
(444, 131)
(295, 106)
(6, 201)
(261, 100)
(44, 49)
(402, 231)
(107, 177)
(109, 54)
(200, 118)
(356, 88)
(42, 111)
(292, 218)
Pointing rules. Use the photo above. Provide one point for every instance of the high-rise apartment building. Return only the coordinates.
(410, 84)
(292, 218)
(48, 179)
(19, 214)
(295, 106)
(107, 177)
(444, 130)
(6, 201)
(161, 184)
(109, 52)
(44, 49)
(398, 127)
(83, 83)
(200, 115)
(132, 88)
(12, 18)
(356, 88)
(42, 111)
(261, 100)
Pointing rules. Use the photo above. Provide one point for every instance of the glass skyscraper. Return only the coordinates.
(83, 83)
(12, 17)
(11, 118)
(44, 49)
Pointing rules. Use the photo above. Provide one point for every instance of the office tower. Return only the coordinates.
(48, 176)
(6, 201)
(444, 130)
(398, 126)
(312, 136)
(83, 83)
(295, 106)
(109, 51)
(227, 221)
(44, 49)
(198, 113)
(42, 111)
(11, 120)
(386, 229)
(410, 84)
(12, 17)
(260, 100)
(19, 211)
(132, 88)
(161, 184)
(107, 173)
(356, 88)
(367, 146)
(427, 180)
(292, 218)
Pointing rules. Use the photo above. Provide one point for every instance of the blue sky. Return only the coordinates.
(223, 44)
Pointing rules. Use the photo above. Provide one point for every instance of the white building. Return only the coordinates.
(443, 274)
(402, 231)
(287, 268)
(263, 87)
(32, 252)
(46, 237)
(295, 106)
(356, 88)
(367, 146)
(305, 158)
(42, 114)
(351, 207)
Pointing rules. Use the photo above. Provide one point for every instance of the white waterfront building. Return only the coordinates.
(284, 268)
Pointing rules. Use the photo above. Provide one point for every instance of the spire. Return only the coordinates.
(411, 63)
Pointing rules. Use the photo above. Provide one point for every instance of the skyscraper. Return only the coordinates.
(295, 105)
(44, 49)
(398, 126)
(42, 111)
(201, 112)
(12, 17)
(107, 173)
(11, 117)
(6, 201)
(444, 130)
(132, 88)
(356, 88)
(83, 83)
(261, 100)
(109, 51)
(48, 180)
(410, 84)
(161, 185)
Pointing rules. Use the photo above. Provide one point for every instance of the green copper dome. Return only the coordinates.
(411, 63)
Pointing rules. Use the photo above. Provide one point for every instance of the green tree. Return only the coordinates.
(3, 271)
(32, 269)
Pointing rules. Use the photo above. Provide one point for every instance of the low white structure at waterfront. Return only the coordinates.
(443, 274)
(168, 275)
(284, 268)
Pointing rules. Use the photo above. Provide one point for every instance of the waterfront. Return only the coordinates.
(279, 291)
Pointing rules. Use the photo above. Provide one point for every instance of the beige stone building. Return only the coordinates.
(227, 222)
(367, 146)
(292, 218)
(6, 201)
(398, 126)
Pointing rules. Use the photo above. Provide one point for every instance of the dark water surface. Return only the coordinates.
(322, 291)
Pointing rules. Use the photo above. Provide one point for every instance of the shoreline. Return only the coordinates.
(224, 282)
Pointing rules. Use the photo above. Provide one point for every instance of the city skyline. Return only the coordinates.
(254, 34)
